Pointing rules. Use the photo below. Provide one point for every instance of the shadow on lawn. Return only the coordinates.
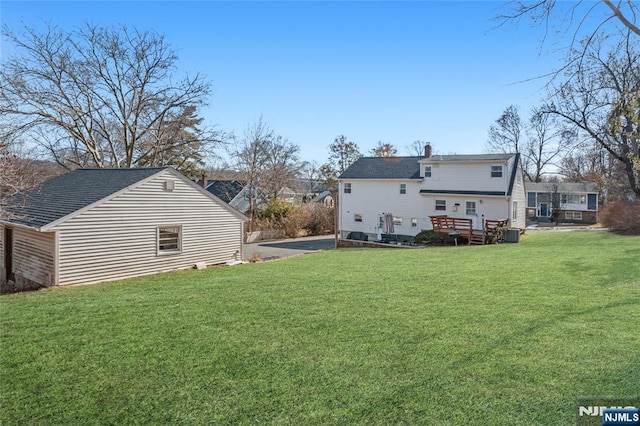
(485, 351)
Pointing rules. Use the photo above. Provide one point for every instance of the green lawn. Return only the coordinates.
(501, 335)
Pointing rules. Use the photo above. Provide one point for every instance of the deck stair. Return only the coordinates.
(477, 237)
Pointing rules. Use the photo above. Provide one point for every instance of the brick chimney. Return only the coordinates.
(204, 180)
(427, 150)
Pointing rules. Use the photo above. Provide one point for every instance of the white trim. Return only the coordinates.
(56, 258)
(168, 252)
(19, 225)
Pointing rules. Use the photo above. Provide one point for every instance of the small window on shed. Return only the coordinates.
(169, 239)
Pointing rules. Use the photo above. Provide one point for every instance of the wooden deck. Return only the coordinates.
(493, 232)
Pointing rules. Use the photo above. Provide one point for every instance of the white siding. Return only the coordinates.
(370, 198)
(33, 255)
(519, 196)
(118, 238)
(466, 176)
(574, 207)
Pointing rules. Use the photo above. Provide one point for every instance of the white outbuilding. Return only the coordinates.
(94, 225)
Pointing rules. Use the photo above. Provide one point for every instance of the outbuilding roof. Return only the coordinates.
(65, 194)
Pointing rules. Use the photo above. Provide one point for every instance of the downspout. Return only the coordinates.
(241, 240)
(56, 258)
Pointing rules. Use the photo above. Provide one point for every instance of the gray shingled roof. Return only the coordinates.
(65, 194)
(226, 190)
(407, 167)
(384, 168)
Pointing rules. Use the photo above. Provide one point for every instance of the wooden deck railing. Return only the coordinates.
(447, 225)
(493, 232)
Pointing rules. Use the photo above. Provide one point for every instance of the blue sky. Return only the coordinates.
(372, 71)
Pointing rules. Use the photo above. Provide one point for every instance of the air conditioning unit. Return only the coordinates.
(512, 236)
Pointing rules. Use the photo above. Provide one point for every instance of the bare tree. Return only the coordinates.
(384, 149)
(13, 179)
(342, 154)
(104, 97)
(547, 143)
(266, 162)
(506, 134)
(416, 148)
(282, 166)
(179, 141)
(573, 17)
(250, 159)
(540, 141)
(556, 199)
(583, 22)
(600, 98)
(587, 163)
(19, 174)
(312, 175)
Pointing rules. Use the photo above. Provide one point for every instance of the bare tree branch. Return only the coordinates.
(600, 97)
(617, 11)
(104, 92)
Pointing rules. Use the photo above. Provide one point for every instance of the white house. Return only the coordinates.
(410, 189)
(575, 202)
(94, 225)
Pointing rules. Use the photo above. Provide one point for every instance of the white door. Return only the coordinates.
(471, 212)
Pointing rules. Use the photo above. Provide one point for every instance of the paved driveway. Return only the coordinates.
(268, 250)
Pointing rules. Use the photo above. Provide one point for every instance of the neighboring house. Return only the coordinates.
(232, 192)
(576, 202)
(94, 225)
(324, 196)
(410, 189)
